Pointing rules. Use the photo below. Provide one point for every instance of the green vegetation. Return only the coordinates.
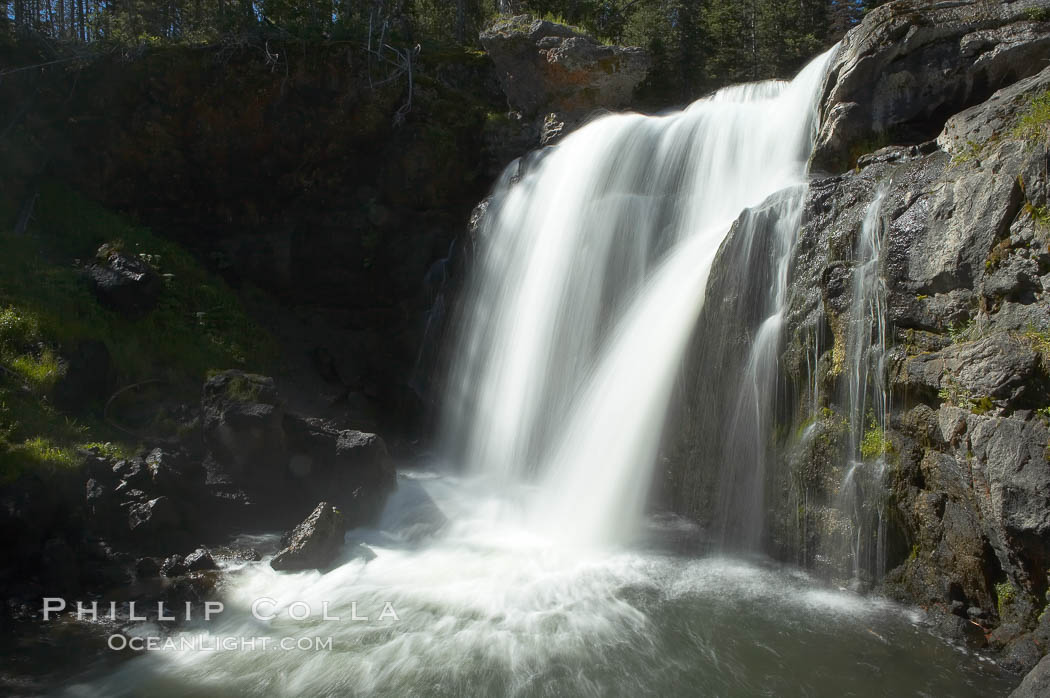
(1005, 595)
(875, 443)
(1039, 340)
(970, 151)
(1034, 123)
(954, 395)
(963, 331)
(47, 309)
(242, 389)
(698, 45)
(1037, 14)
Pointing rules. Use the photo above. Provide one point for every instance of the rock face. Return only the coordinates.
(933, 110)
(910, 65)
(314, 543)
(560, 75)
(280, 461)
(1037, 683)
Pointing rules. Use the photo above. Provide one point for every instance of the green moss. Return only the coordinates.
(982, 405)
(1005, 595)
(1037, 14)
(242, 389)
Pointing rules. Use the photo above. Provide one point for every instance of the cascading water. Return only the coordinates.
(861, 495)
(593, 270)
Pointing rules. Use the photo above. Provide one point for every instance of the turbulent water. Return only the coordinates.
(488, 608)
(534, 572)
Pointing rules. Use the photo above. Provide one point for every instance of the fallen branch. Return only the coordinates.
(114, 396)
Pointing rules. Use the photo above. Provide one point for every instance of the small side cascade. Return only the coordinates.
(862, 496)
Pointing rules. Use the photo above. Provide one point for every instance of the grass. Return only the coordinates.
(970, 152)
(1034, 122)
(963, 331)
(47, 308)
(1039, 340)
(198, 322)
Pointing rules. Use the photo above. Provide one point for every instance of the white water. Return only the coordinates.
(487, 608)
(592, 273)
(862, 494)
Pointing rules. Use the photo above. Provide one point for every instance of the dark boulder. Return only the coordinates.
(283, 462)
(174, 473)
(314, 543)
(147, 568)
(174, 566)
(350, 468)
(200, 560)
(241, 417)
(157, 516)
(124, 283)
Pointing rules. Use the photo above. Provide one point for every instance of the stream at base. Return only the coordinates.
(486, 608)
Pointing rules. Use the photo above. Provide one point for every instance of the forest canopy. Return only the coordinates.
(698, 44)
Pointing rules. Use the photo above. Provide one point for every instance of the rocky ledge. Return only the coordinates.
(246, 464)
(556, 76)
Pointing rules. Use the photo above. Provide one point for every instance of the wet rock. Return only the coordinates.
(1036, 683)
(124, 283)
(235, 553)
(907, 67)
(314, 543)
(547, 67)
(147, 568)
(174, 473)
(154, 517)
(194, 587)
(200, 560)
(134, 473)
(174, 566)
(1021, 655)
(350, 468)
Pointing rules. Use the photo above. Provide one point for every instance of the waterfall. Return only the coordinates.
(593, 266)
(862, 493)
(747, 443)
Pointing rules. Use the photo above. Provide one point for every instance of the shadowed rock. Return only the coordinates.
(314, 543)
